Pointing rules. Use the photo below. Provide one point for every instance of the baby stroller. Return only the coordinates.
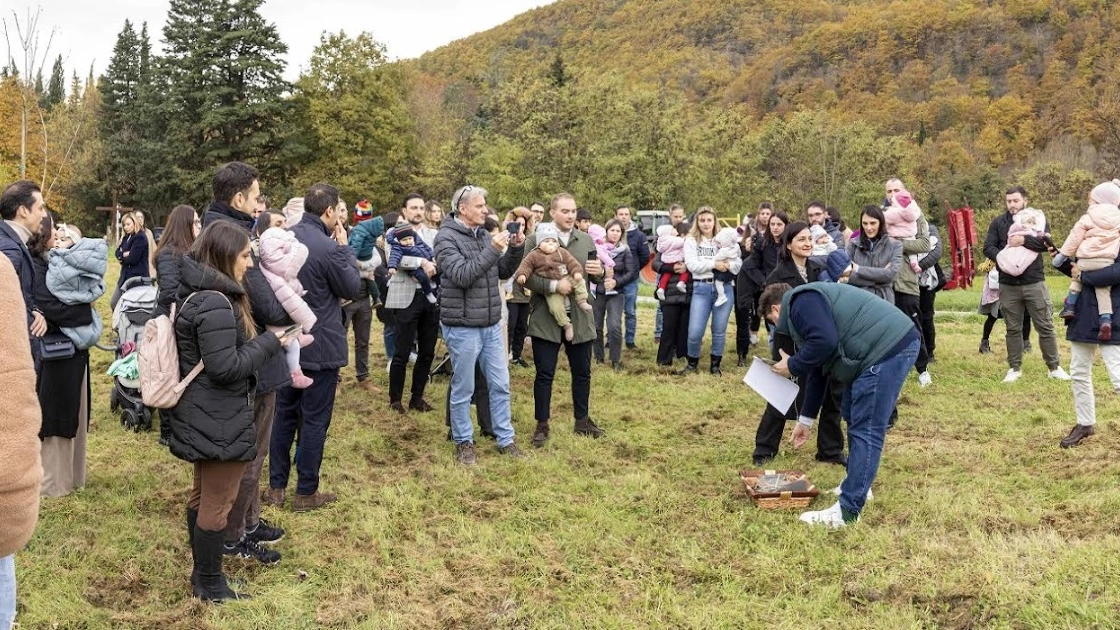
(138, 300)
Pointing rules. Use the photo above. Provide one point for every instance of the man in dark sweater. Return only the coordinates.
(1023, 294)
(863, 342)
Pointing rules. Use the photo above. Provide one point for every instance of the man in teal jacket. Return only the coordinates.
(864, 342)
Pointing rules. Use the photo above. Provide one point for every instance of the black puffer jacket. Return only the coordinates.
(471, 268)
(167, 276)
(214, 418)
(672, 294)
(267, 310)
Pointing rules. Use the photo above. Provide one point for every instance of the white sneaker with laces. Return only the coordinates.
(830, 516)
(754, 341)
(870, 494)
(924, 379)
(1013, 375)
(1059, 374)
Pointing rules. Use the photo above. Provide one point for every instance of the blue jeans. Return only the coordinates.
(658, 322)
(867, 406)
(630, 308)
(703, 297)
(484, 346)
(390, 337)
(7, 591)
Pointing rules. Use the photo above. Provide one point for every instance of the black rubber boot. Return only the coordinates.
(714, 369)
(164, 430)
(211, 585)
(742, 360)
(691, 368)
(192, 523)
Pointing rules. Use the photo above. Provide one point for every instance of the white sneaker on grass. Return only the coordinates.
(831, 516)
(924, 379)
(1013, 375)
(1059, 374)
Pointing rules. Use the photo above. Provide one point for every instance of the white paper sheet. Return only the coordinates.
(778, 390)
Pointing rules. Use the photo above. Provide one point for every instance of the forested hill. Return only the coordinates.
(986, 89)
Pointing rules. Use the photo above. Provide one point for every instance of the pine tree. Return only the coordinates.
(56, 88)
(221, 69)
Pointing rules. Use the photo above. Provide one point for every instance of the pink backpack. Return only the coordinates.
(160, 385)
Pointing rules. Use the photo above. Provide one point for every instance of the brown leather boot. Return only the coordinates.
(274, 496)
(540, 435)
(308, 502)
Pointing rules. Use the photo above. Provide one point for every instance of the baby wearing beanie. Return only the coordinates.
(1095, 243)
(823, 245)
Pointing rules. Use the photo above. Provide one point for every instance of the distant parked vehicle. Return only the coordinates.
(649, 221)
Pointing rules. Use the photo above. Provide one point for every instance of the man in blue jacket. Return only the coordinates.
(862, 341)
(639, 249)
(23, 211)
(329, 275)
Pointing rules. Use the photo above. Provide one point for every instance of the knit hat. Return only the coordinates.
(903, 199)
(362, 210)
(817, 232)
(1107, 193)
(403, 232)
(547, 231)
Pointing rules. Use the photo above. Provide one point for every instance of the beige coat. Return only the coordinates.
(21, 470)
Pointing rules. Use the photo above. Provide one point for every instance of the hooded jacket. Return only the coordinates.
(267, 310)
(996, 240)
(21, 470)
(76, 276)
(1096, 234)
(282, 256)
(214, 418)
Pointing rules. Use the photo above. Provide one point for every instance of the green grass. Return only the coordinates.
(979, 519)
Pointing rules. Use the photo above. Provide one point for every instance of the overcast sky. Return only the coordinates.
(85, 31)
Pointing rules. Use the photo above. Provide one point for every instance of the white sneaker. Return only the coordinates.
(411, 358)
(1059, 374)
(1013, 375)
(870, 494)
(924, 379)
(721, 300)
(830, 516)
(682, 287)
(659, 294)
(754, 341)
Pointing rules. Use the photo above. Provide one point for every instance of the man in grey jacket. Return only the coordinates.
(471, 314)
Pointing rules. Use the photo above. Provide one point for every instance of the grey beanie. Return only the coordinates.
(547, 230)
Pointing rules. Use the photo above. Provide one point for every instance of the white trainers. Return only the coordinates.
(1013, 375)
(830, 516)
(870, 494)
(924, 379)
(754, 341)
(659, 294)
(1059, 374)
(721, 300)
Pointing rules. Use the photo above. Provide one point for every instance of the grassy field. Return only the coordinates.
(979, 519)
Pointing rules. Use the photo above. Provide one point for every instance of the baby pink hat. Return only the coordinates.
(1108, 193)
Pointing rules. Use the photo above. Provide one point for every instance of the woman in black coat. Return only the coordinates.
(608, 300)
(212, 425)
(63, 386)
(674, 312)
(757, 265)
(132, 254)
(796, 246)
(178, 235)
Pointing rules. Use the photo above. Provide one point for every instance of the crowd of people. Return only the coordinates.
(263, 302)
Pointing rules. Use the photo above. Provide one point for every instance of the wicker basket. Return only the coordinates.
(800, 495)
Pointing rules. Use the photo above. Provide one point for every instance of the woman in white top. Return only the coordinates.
(703, 257)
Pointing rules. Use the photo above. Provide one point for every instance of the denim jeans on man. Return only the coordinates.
(485, 347)
(703, 300)
(316, 406)
(867, 406)
(7, 591)
(630, 307)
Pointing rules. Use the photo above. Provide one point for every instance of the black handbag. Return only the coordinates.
(56, 347)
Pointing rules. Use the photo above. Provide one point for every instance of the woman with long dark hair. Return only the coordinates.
(608, 301)
(876, 257)
(212, 425)
(757, 265)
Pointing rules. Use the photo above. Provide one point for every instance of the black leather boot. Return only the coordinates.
(211, 585)
(691, 367)
(714, 369)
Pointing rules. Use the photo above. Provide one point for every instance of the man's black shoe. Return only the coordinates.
(1077, 434)
(265, 533)
(251, 550)
(839, 460)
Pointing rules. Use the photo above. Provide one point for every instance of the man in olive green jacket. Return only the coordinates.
(548, 336)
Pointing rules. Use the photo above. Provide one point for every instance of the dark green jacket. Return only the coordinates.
(868, 327)
(541, 323)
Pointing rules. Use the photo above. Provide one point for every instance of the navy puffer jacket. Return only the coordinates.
(1085, 325)
(214, 418)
